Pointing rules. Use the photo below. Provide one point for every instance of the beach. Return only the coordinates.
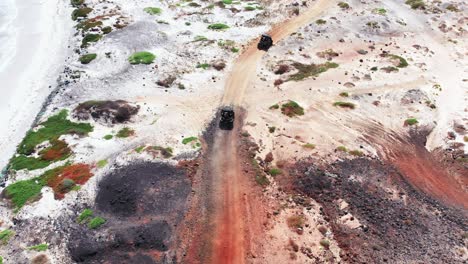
(34, 38)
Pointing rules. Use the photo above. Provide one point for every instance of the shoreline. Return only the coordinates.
(42, 33)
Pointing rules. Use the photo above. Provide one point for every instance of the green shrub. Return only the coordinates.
(389, 69)
(227, 2)
(343, 5)
(345, 105)
(275, 106)
(344, 94)
(342, 148)
(40, 247)
(90, 38)
(85, 215)
(452, 8)
(357, 153)
(320, 22)
(380, 11)
(81, 12)
(153, 10)
(274, 172)
(309, 146)
(106, 30)
(187, 140)
(416, 4)
(139, 149)
(402, 62)
(249, 8)
(125, 132)
(88, 24)
(200, 38)
(101, 163)
(21, 162)
(234, 49)
(308, 70)
(21, 192)
(325, 243)
(291, 109)
(87, 58)
(96, 222)
(218, 26)
(204, 65)
(261, 180)
(142, 57)
(411, 121)
(193, 4)
(108, 137)
(374, 68)
(76, 3)
(295, 221)
(5, 236)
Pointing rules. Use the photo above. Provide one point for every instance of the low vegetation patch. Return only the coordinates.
(273, 107)
(88, 38)
(160, 151)
(342, 149)
(389, 69)
(325, 243)
(203, 65)
(58, 150)
(40, 247)
(308, 70)
(153, 10)
(309, 146)
(108, 137)
(344, 94)
(85, 216)
(142, 57)
(218, 26)
(411, 122)
(86, 25)
(344, 105)
(402, 63)
(96, 222)
(274, 172)
(62, 180)
(76, 3)
(296, 221)
(125, 132)
(380, 11)
(101, 163)
(416, 4)
(87, 58)
(320, 22)
(356, 153)
(343, 5)
(81, 12)
(5, 236)
(292, 109)
(193, 141)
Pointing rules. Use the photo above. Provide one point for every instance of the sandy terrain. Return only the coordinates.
(382, 179)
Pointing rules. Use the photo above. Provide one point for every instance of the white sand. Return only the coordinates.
(38, 37)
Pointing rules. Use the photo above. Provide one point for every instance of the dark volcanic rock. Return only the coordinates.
(107, 112)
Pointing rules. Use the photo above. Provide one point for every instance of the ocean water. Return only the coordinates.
(8, 13)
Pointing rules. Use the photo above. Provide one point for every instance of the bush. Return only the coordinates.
(306, 70)
(153, 10)
(345, 105)
(343, 5)
(274, 172)
(416, 4)
(227, 2)
(204, 65)
(40, 247)
(85, 215)
(101, 163)
(5, 236)
(357, 153)
(325, 243)
(342, 148)
(275, 106)
(76, 3)
(309, 146)
(90, 38)
(411, 121)
(125, 132)
(108, 137)
(81, 12)
(96, 222)
(88, 24)
(218, 26)
(291, 109)
(249, 8)
(87, 58)
(187, 140)
(380, 11)
(320, 22)
(402, 62)
(142, 57)
(295, 221)
(106, 30)
(344, 94)
(271, 129)
(389, 69)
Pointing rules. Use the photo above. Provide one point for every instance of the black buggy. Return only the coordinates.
(265, 42)
(226, 122)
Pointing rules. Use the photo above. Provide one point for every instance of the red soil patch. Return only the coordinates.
(65, 178)
(57, 151)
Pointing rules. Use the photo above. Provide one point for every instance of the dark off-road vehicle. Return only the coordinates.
(265, 42)
(226, 122)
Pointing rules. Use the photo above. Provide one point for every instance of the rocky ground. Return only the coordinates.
(349, 143)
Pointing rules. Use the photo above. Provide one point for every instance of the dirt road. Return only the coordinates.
(230, 229)
(244, 71)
